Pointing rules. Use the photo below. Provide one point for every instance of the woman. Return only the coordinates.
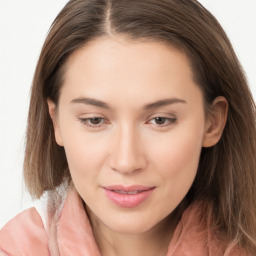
(141, 136)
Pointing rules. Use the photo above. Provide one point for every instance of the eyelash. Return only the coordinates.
(171, 121)
(86, 121)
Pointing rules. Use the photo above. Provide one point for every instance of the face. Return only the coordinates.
(132, 122)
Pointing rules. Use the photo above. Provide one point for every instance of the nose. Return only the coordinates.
(127, 154)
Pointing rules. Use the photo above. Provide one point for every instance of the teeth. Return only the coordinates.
(127, 192)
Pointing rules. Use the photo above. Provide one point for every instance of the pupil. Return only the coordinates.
(95, 120)
(160, 120)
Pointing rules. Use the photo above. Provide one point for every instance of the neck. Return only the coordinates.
(152, 242)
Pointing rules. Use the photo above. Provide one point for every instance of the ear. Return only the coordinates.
(53, 115)
(215, 121)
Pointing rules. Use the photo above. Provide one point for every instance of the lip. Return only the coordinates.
(128, 196)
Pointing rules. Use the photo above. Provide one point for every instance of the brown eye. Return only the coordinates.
(95, 120)
(163, 122)
(160, 120)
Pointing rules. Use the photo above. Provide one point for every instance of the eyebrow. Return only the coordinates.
(164, 102)
(101, 104)
(90, 101)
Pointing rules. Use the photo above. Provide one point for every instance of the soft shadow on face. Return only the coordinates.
(132, 121)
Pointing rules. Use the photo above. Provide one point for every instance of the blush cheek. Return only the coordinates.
(178, 157)
(177, 167)
(84, 157)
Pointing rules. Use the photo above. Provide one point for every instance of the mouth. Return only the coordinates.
(128, 197)
(128, 192)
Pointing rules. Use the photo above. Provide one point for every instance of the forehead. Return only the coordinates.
(109, 67)
(105, 52)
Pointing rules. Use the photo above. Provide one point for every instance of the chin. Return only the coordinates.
(130, 225)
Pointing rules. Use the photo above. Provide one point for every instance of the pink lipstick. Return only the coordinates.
(128, 197)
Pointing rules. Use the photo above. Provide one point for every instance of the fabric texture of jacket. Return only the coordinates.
(62, 228)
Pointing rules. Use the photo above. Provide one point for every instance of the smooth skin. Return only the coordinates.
(130, 113)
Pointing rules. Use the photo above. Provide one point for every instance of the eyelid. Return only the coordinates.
(168, 117)
(85, 121)
(171, 122)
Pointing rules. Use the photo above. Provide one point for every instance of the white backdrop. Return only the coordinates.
(23, 27)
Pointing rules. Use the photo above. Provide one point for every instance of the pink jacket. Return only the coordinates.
(67, 231)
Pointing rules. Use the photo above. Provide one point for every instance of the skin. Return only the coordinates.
(127, 145)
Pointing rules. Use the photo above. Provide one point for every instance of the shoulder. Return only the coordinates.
(196, 233)
(24, 235)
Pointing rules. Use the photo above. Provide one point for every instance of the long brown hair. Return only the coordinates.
(226, 175)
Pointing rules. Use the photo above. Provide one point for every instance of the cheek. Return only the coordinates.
(85, 158)
(178, 154)
(85, 151)
(176, 162)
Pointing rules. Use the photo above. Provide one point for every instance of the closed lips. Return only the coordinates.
(128, 192)
(128, 197)
(133, 189)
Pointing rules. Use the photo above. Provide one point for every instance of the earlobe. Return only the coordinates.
(53, 115)
(216, 121)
